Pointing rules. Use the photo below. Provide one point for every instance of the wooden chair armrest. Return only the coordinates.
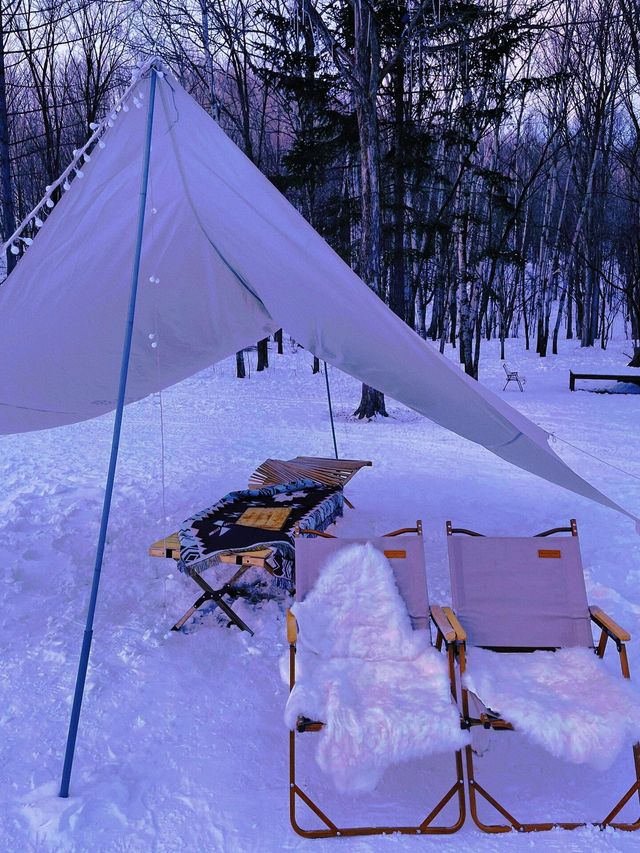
(442, 624)
(461, 634)
(292, 628)
(607, 624)
(304, 724)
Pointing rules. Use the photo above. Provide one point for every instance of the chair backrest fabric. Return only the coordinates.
(405, 554)
(517, 592)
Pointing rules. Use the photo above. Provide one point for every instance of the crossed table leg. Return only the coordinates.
(215, 595)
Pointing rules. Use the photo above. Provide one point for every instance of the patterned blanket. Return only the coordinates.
(227, 527)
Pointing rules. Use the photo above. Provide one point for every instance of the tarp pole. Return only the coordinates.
(333, 428)
(115, 442)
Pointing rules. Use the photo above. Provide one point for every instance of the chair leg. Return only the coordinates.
(332, 830)
(634, 789)
(475, 790)
(424, 828)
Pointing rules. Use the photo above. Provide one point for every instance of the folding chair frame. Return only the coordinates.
(445, 635)
(513, 376)
(609, 630)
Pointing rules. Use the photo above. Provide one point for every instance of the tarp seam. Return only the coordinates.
(232, 270)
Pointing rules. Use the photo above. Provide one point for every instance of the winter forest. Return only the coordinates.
(476, 163)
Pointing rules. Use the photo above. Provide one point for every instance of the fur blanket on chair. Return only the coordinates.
(379, 687)
(567, 701)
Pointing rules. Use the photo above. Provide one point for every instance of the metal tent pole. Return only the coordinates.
(333, 428)
(106, 506)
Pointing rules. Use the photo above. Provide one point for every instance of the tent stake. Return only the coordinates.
(333, 428)
(106, 506)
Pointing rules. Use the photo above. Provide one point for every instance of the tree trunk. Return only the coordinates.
(397, 284)
(371, 404)
(6, 189)
(366, 71)
(419, 312)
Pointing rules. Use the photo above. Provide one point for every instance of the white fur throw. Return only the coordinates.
(379, 686)
(566, 701)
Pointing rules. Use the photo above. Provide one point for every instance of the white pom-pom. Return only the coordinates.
(27, 240)
(80, 173)
(66, 186)
(93, 125)
(47, 188)
(151, 336)
(110, 123)
(50, 203)
(14, 249)
(86, 157)
(38, 222)
(125, 108)
(75, 152)
(154, 210)
(154, 344)
(102, 144)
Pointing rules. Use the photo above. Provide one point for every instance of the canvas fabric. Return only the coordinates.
(226, 261)
(520, 592)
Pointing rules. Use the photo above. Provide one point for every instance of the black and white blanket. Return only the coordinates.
(215, 531)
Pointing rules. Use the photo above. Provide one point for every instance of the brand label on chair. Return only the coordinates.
(395, 555)
(550, 554)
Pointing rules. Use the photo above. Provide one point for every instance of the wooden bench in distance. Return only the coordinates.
(618, 377)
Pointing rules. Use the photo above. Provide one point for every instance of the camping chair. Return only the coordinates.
(514, 376)
(407, 560)
(523, 595)
(330, 472)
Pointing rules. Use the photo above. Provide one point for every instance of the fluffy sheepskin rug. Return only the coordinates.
(566, 701)
(379, 686)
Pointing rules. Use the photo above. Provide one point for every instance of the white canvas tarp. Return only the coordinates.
(226, 261)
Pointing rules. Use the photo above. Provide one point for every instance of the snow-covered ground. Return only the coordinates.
(182, 744)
